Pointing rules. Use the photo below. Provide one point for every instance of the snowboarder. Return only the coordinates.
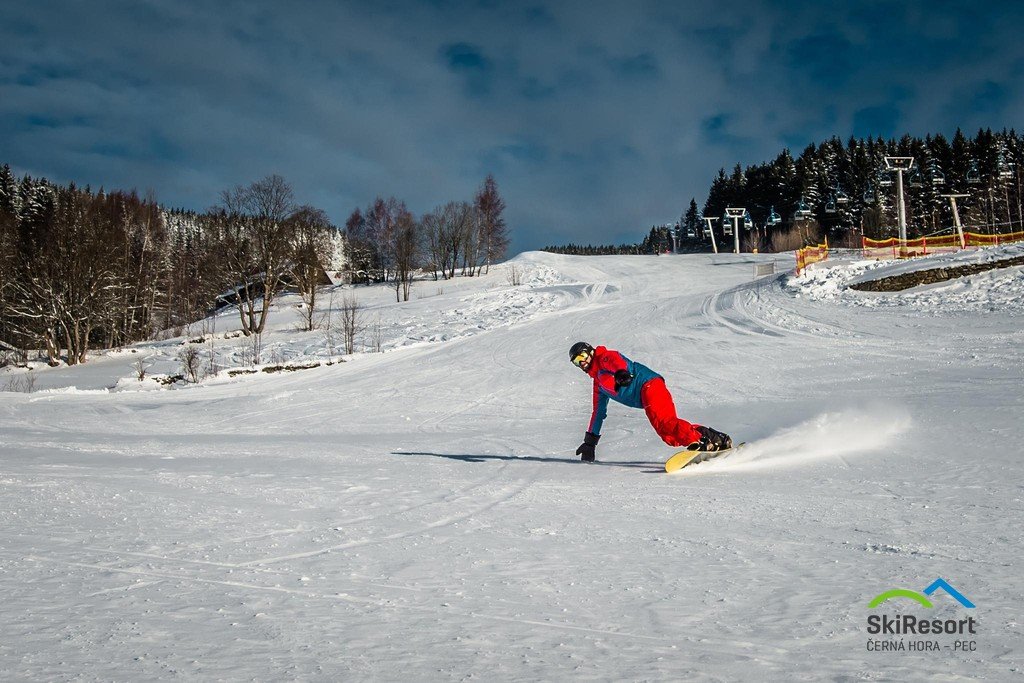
(636, 386)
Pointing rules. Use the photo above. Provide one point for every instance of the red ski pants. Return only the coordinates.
(661, 411)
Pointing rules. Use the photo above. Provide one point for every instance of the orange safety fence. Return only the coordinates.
(939, 244)
(809, 255)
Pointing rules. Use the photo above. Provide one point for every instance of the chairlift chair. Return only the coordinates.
(748, 222)
(885, 181)
(841, 197)
(1005, 170)
(869, 194)
(803, 212)
(830, 207)
(916, 180)
(973, 176)
(774, 218)
(938, 177)
(726, 224)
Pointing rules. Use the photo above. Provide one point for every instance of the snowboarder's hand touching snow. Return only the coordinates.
(586, 449)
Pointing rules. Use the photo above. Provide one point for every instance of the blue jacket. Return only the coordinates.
(606, 362)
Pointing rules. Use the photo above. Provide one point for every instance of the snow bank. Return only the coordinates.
(996, 291)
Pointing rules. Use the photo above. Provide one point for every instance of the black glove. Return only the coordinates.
(710, 440)
(622, 379)
(586, 449)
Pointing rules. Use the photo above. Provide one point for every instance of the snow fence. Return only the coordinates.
(937, 244)
(809, 255)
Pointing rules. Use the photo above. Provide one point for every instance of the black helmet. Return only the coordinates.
(581, 353)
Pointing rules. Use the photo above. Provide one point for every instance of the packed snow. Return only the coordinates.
(997, 291)
(415, 510)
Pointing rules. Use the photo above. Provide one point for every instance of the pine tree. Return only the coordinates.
(691, 221)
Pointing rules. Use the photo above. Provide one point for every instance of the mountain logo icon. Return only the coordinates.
(922, 597)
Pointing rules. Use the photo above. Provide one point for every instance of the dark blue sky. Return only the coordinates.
(598, 119)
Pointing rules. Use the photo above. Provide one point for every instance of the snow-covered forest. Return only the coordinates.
(847, 189)
(844, 191)
(83, 269)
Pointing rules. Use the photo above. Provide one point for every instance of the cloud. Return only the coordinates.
(825, 60)
(717, 130)
(598, 119)
(640, 66)
(881, 120)
(469, 62)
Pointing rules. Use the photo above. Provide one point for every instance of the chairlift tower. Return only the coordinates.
(711, 231)
(736, 214)
(956, 216)
(900, 165)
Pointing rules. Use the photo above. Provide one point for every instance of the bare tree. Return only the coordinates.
(142, 261)
(351, 321)
(493, 233)
(256, 245)
(189, 359)
(457, 221)
(405, 247)
(67, 279)
(471, 256)
(311, 246)
(140, 368)
(327, 326)
(377, 336)
(256, 346)
(431, 226)
(379, 230)
(359, 254)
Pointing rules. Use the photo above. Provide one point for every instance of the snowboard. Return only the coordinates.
(686, 458)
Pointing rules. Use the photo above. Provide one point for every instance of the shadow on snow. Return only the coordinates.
(659, 467)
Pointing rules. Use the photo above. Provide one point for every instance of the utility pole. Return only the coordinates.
(900, 164)
(736, 214)
(956, 216)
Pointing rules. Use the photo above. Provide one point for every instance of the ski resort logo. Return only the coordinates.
(910, 633)
(922, 597)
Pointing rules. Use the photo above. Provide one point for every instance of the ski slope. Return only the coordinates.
(419, 514)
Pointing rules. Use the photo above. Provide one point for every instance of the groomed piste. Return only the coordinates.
(419, 513)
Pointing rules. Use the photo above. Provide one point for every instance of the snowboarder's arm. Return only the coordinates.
(613, 366)
(600, 410)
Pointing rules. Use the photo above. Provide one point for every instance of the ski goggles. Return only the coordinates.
(582, 359)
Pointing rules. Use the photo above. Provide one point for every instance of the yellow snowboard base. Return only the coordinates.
(686, 458)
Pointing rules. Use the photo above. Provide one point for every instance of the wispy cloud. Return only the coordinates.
(597, 118)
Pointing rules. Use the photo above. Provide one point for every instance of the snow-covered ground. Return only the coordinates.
(999, 291)
(419, 514)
